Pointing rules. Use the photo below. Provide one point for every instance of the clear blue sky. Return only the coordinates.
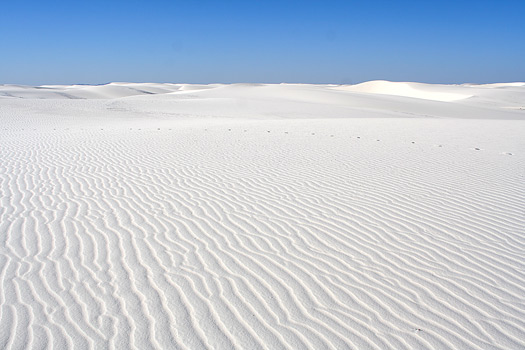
(93, 42)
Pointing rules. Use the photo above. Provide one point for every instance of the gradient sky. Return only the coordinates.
(95, 42)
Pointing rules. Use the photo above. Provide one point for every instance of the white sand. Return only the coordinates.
(172, 216)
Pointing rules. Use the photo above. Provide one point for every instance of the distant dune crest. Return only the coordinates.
(445, 93)
(262, 101)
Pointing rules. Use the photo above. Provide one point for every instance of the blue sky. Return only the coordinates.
(94, 42)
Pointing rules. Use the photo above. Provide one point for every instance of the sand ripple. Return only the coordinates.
(290, 239)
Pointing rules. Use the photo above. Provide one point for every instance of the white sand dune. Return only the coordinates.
(415, 90)
(255, 216)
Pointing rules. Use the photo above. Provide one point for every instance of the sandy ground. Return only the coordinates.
(172, 216)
